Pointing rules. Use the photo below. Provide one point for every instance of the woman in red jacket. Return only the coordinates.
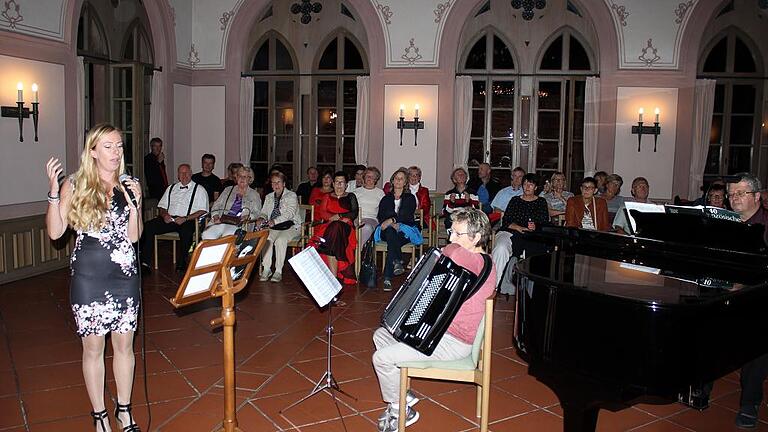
(587, 211)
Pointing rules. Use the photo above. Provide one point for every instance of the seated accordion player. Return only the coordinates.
(424, 306)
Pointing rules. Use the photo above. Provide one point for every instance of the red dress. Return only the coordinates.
(340, 238)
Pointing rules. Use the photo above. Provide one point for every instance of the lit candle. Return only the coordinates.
(640, 115)
(402, 110)
(417, 110)
(19, 92)
(656, 111)
(34, 93)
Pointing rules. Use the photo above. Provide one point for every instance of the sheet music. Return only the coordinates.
(643, 208)
(318, 279)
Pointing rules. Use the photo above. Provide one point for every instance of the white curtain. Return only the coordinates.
(157, 107)
(246, 120)
(361, 119)
(591, 122)
(463, 120)
(80, 70)
(703, 105)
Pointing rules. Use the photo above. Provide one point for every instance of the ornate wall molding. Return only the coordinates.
(411, 54)
(621, 14)
(34, 17)
(386, 13)
(225, 17)
(204, 26)
(440, 10)
(649, 54)
(681, 10)
(12, 13)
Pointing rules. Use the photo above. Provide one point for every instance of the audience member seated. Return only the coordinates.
(467, 244)
(368, 199)
(232, 170)
(423, 200)
(336, 228)
(237, 203)
(275, 169)
(640, 191)
(281, 215)
(702, 200)
(600, 177)
(587, 211)
(398, 226)
(716, 196)
(304, 190)
(485, 186)
(611, 195)
(326, 186)
(178, 208)
(207, 179)
(499, 203)
(358, 180)
(523, 213)
(556, 197)
(458, 197)
(154, 169)
(744, 197)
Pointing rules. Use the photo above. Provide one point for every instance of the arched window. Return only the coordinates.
(491, 63)
(136, 46)
(91, 38)
(336, 102)
(734, 140)
(559, 100)
(275, 135)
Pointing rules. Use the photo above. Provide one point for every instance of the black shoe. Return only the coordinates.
(99, 418)
(747, 418)
(398, 269)
(146, 269)
(131, 426)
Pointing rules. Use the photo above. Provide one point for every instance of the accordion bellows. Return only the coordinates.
(426, 303)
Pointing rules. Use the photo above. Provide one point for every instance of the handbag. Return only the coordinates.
(230, 219)
(367, 274)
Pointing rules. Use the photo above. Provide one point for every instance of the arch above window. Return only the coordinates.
(91, 37)
(490, 52)
(273, 54)
(730, 52)
(566, 52)
(341, 52)
(136, 44)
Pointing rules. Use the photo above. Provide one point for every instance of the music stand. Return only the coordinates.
(324, 287)
(220, 268)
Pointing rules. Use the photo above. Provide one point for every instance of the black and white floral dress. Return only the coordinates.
(104, 290)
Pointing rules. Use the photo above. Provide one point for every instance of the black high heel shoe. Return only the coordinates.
(99, 418)
(132, 427)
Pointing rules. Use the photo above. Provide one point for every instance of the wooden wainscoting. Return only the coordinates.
(26, 250)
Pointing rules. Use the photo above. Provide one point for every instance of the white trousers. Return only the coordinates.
(367, 228)
(218, 230)
(389, 352)
(279, 240)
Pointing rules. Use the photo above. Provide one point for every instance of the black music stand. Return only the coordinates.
(324, 288)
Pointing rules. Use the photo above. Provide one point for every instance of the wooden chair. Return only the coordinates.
(475, 368)
(307, 215)
(410, 248)
(174, 237)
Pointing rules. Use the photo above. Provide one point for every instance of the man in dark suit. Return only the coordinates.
(154, 169)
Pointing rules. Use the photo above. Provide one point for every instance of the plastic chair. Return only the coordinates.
(475, 368)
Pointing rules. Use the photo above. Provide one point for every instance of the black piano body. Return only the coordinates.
(608, 321)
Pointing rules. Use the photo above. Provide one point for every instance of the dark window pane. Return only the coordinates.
(284, 93)
(283, 59)
(328, 60)
(352, 57)
(285, 121)
(261, 60)
(713, 160)
(284, 149)
(578, 125)
(553, 57)
(80, 33)
(350, 94)
(478, 94)
(503, 94)
(502, 57)
(261, 93)
(259, 151)
(577, 57)
(577, 155)
(259, 173)
(719, 98)
(347, 12)
(350, 120)
(716, 59)
(739, 159)
(716, 131)
(547, 154)
(502, 124)
(742, 59)
(128, 54)
(326, 150)
(326, 121)
(549, 125)
(349, 151)
(478, 123)
(501, 152)
(549, 95)
(741, 130)
(743, 100)
(260, 121)
(326, 93)
(579, 94)
(476, 57)
(476, 151)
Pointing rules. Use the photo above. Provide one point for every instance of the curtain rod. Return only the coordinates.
(112, 61)
(258, 74)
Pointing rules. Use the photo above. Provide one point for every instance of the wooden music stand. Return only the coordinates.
(220, 268)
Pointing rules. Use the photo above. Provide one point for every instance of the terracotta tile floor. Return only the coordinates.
(280, 350)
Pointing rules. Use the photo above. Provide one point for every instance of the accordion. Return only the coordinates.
(424, 306)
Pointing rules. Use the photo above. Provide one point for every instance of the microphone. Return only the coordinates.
(124, 180)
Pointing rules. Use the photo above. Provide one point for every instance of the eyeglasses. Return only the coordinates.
(587, 187)
(740, 194)
(458, 234)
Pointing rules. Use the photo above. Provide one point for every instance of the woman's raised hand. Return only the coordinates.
(53, 170)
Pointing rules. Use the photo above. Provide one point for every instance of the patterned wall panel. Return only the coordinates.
(202, 28)
(23, 249)
(650, 31)
(26, 250)
(41, 18)
(3, 266)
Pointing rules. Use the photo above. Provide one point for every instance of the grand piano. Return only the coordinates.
(607, 321)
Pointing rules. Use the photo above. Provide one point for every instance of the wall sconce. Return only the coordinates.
(20, 112)
(415, 124)
(639, 130)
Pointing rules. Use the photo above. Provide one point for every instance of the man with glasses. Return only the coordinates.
(744, 197)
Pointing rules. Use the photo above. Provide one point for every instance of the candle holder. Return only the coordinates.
(402, 124)
(21, 112)
(641, 130)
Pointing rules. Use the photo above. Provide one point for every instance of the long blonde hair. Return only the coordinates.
(89, 199)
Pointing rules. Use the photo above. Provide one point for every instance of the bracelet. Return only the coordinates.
(53, 201)
(54, 198)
